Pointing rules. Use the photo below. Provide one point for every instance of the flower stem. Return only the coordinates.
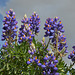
(57, 42)
(16, 41)
(47, 44)
(57, 52)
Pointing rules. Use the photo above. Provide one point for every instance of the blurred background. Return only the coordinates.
(65, 9)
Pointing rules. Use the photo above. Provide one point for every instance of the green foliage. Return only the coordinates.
(18, 65)
(72, 71)
(62, 67)
(15, 61)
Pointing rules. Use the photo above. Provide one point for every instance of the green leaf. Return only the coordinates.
(62, 51)
(7, 66)
(34, 41)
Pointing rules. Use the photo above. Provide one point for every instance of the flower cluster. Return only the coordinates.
(52, 27)
(29, 28)
(25, 33)
(34, 22)
(72, 55)
(5, 45)
(55, 32)
(61, 42)
(32, 49)
(43, 42)
(9, 28)
(40, 57)
(49, 65)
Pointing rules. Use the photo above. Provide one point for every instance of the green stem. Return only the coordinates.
(16, 41)
(24, 45)
(56, 52)
(57, 42)
(47, 44)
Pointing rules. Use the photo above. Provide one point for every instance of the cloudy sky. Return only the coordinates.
(65, 9)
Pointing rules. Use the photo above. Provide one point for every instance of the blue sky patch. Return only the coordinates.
(1, 25)
(3, 3)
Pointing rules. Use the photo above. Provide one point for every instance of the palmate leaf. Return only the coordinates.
(38, 45)
(7, 66)
(2, 68)
(21, 57)
(62, 67)
(72, 71)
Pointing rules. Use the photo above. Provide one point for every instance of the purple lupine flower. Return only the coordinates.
(5, 45)
(25, 33)
(56, 73)
(10, 27)
(49, 64)
(46, 57)
(52, 27)
(72, 55)
(49, 72)
(34, 22)
(32, 49)
(55, 68)
(49, 61)
(44, 73)
(14, 57)
(29, 61)
(61, 42)
(43, 66)
(55, 61)
(35, 59)
(29, 51)
(43, 42)
(38, 63)
(73, 47)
